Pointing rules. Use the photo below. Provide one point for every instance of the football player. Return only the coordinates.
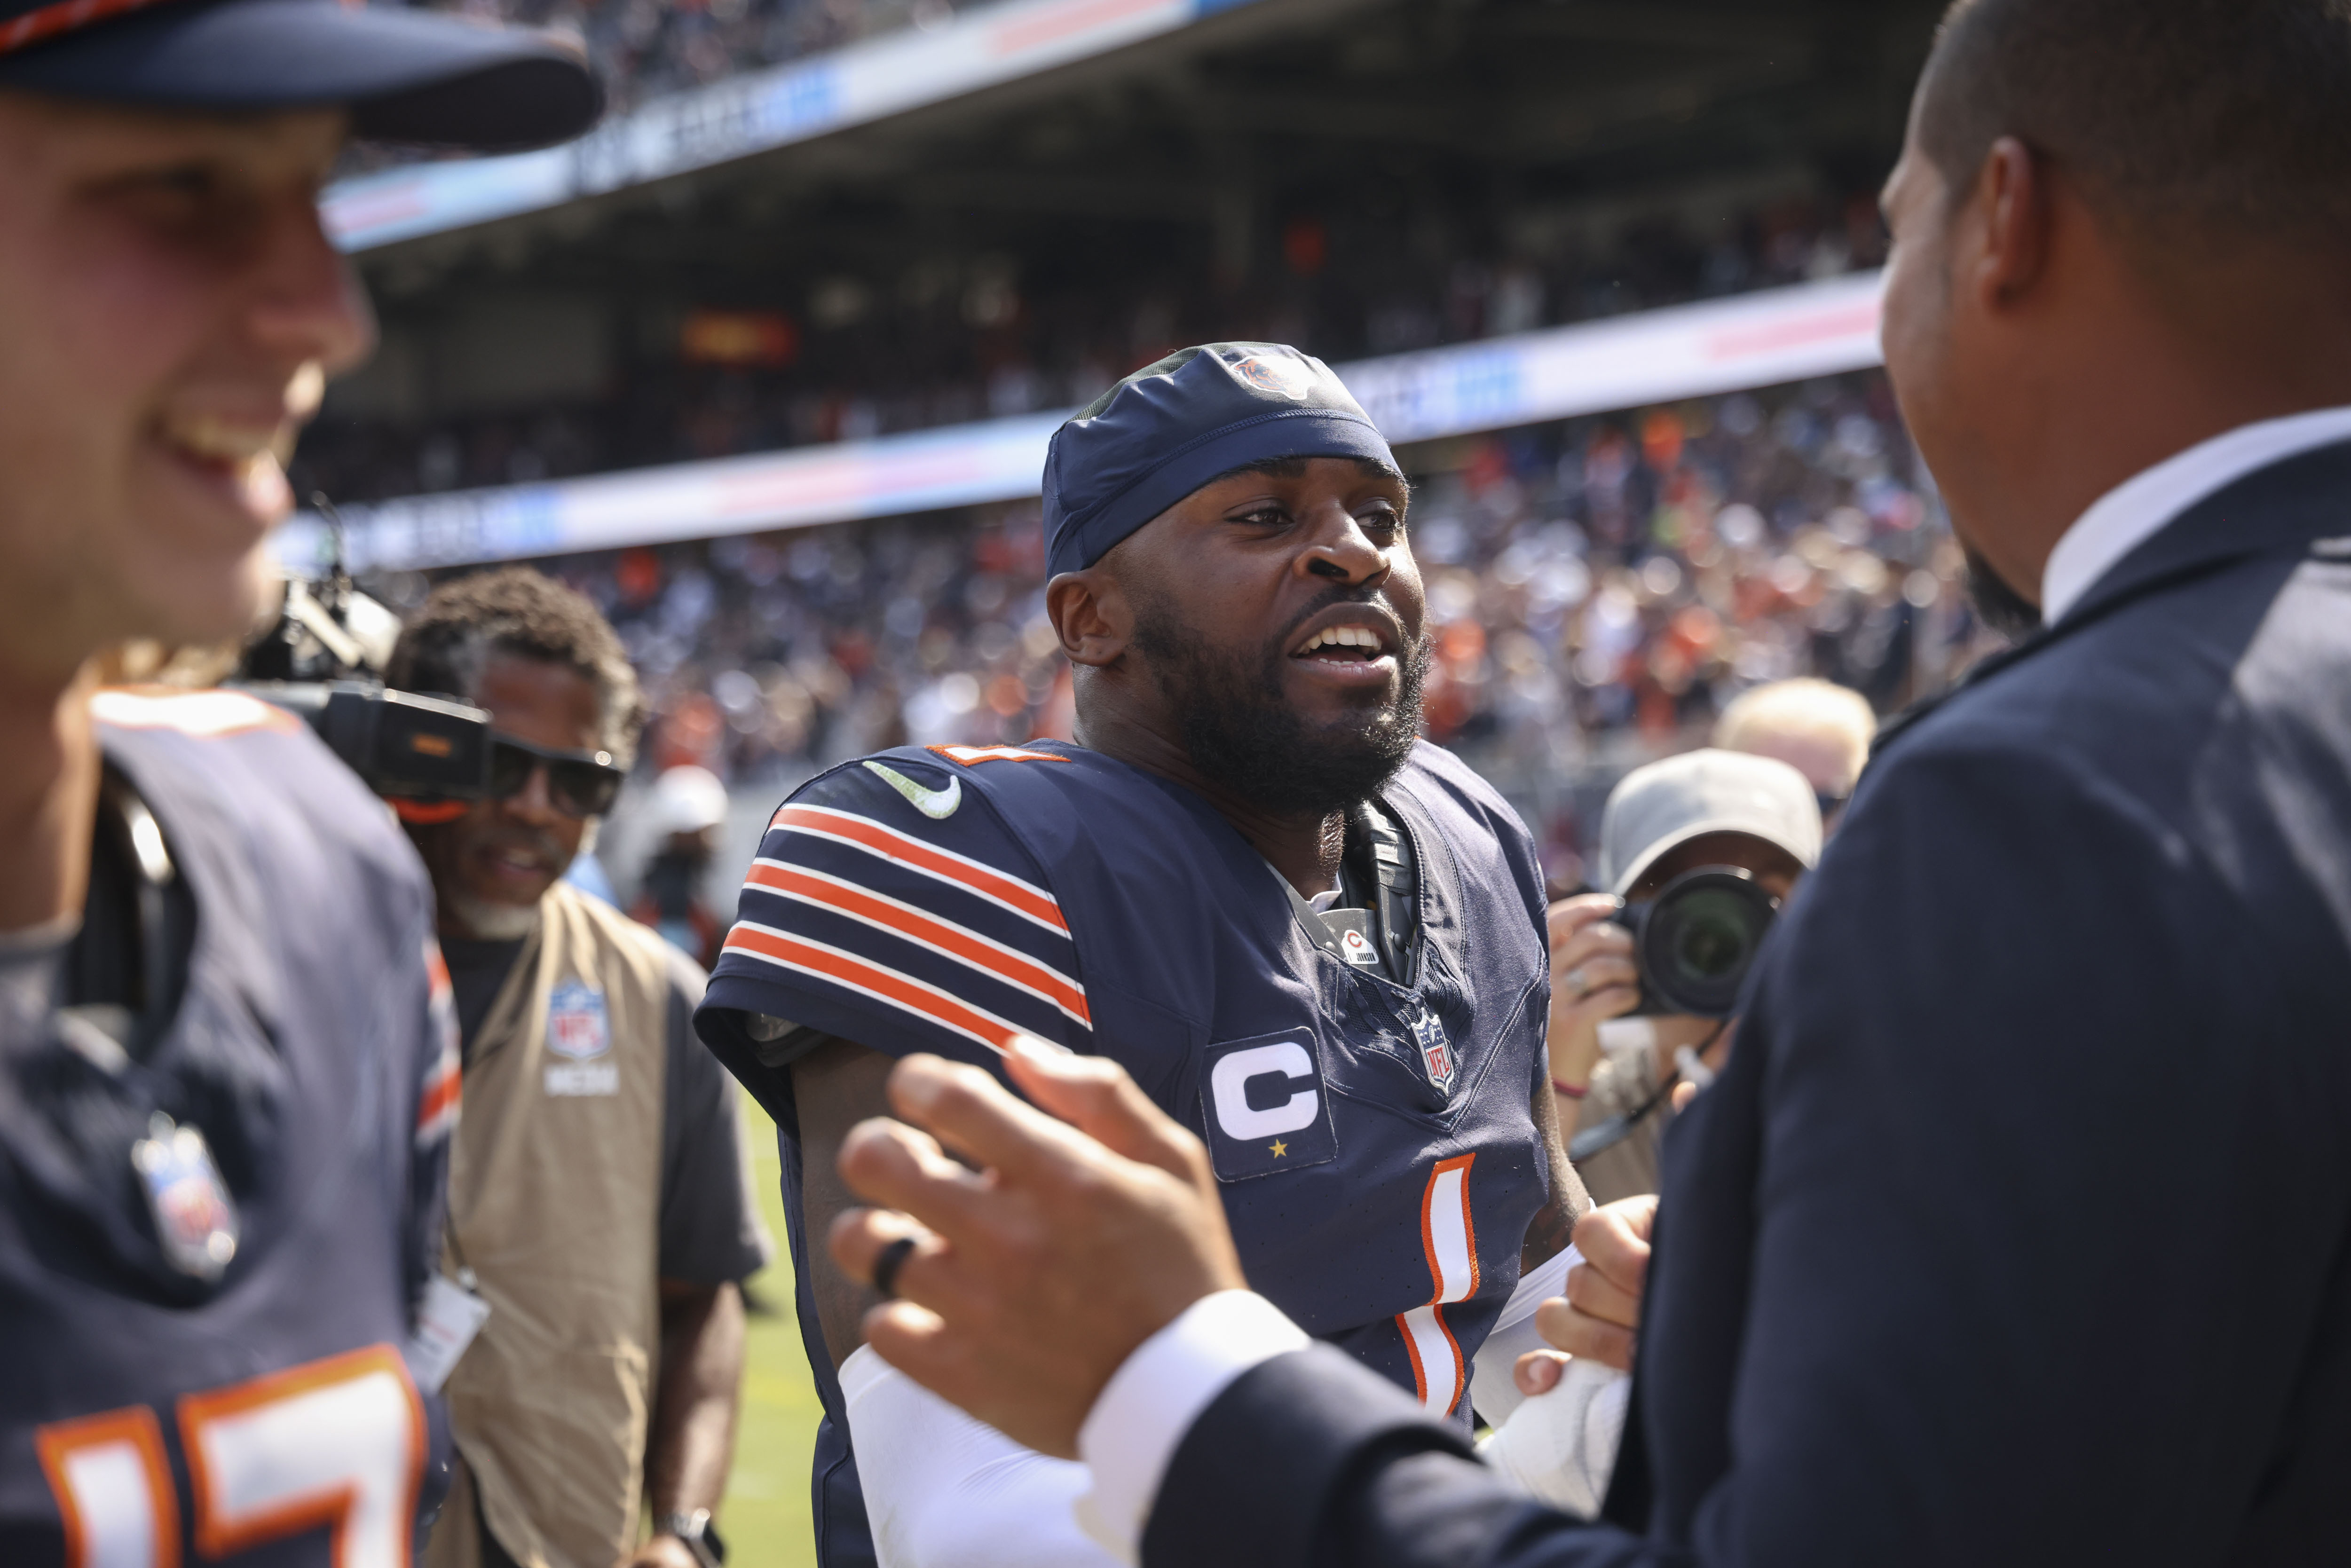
(1308, 934)
(227, 1065)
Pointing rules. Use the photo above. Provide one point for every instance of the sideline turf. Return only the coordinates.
(766, 1518)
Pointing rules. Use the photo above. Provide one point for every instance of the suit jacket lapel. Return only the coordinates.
(2298, 501)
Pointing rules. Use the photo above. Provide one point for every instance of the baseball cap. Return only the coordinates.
(1171, 427)
(405, 75)
(1660, 806)
(687, 800)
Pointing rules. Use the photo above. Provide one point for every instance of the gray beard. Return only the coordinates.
(488, 922)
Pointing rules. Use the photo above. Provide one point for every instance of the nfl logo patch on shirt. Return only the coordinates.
(579, 1029)
(1431, 1044)
(1266, 1108)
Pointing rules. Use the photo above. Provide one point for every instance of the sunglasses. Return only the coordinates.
(578, 783)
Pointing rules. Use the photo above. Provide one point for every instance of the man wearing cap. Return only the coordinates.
(1309, 935)
(227, 1074)
(1701, 809)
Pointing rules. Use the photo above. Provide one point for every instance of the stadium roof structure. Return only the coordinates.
(756, 111)
(1110, 151)
(1199, 114)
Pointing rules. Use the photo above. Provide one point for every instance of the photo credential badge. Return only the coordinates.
(451, 1315)
(1265, 1106)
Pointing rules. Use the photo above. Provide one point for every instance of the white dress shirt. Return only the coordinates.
(2133, 511)
(1152, 1400)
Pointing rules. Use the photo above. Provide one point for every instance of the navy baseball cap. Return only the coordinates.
(1171, 427)
(405, 75)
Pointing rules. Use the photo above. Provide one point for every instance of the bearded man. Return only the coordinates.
(1307, 934)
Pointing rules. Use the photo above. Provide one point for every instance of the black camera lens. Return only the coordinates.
(1714, 937)
(1697, 939)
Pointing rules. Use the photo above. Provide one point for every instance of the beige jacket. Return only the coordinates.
(554, 1202)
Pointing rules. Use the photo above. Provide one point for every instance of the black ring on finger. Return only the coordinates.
(886, 1264)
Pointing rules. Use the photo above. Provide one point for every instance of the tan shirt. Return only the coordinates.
(554, 1198)
(1621, 1084)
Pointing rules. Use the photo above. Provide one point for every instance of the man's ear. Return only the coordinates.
(2012, 222)
(1090, 616)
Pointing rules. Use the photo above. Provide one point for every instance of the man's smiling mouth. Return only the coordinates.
(1347, 643)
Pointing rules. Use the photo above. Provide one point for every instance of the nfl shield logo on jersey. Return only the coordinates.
(1428, 1039)
(577, 1024)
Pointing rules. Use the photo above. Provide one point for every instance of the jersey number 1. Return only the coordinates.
(337, 1443)
(1439, 1371)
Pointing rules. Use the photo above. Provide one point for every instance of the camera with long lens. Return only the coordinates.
(323, 661)
(1696, 940)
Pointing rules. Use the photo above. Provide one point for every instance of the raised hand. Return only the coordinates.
(1025, 1277)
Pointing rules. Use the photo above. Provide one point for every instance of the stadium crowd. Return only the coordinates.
(643, 48)
(1600, 588)
(856, 357)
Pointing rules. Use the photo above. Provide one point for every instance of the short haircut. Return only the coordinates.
(1804, 709)
(1806, 703)
(2200, 122)
(518, 611)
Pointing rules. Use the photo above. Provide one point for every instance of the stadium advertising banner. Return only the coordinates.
(754, 112)
(1692, 351)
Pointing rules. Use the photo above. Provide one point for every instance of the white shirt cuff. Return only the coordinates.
(1152, 1400)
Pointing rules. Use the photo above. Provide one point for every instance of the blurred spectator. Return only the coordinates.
(688, 807)
(643, 48)
(1821, 729)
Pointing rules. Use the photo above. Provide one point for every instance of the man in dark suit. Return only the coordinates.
(2018, 1228)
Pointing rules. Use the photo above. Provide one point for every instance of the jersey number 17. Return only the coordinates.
(337, 1443)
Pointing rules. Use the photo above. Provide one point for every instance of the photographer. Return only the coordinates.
(1663, 822)
(598, 1202)
(227, 1073)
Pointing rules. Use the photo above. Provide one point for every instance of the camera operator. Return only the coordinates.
(599, 1201)
(1663, 822)
(227, 1073)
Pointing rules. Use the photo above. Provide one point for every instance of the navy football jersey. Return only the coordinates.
(148, 1417)
(1375, 1139)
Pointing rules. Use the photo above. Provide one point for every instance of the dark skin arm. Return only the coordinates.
(692, 1443)
(835, 1086)
(1553, 1226)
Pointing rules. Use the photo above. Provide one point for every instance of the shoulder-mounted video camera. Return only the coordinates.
(1696, 940)
(323, 661)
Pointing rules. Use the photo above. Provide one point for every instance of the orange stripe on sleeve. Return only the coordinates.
(944, 936)
(882, 983)
(1022, 897)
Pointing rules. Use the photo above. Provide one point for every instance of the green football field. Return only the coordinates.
(765, 1520)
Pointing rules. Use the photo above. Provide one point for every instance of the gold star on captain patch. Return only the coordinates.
(1279, 1148)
